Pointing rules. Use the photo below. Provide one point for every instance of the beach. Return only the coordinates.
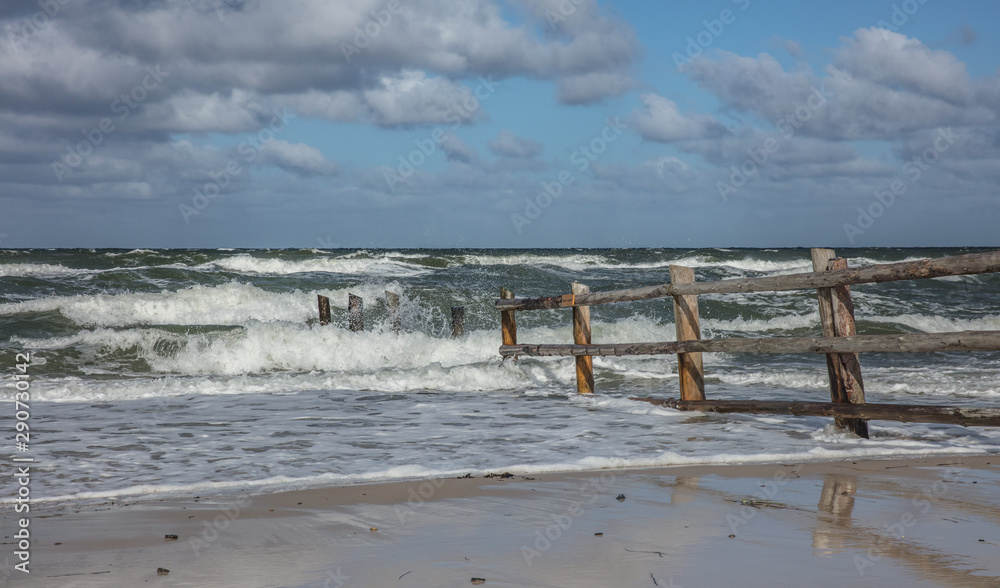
(187, 412)
(912, 522)
(533, 293)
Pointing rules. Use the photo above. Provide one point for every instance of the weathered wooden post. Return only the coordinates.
(836, 312)
(581, 336)
(508, 326)
(690, 369)
(820, 262)
(844, 326)
(355, 316)
(392, 304)
(324, 309)
(457, 321)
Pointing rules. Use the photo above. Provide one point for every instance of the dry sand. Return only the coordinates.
(923, 522)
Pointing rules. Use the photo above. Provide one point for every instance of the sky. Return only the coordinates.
(481, 123)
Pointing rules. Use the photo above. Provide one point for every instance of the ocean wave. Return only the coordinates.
(585, 262)
(778, 323)
(895, 443)
(232, 303)
(227, 304)
(37, 269)
(133, 252)
(374, 266)
(939, 324)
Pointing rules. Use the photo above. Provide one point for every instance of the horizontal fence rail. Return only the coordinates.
(912, 413)
(973, 263)
(909, 343)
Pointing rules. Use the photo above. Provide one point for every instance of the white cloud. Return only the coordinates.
(413, 98)
(297, 157)
(881, 84)
(593, 86)
(662, 121)
(456, 149)
(507, 144)
(891, 59)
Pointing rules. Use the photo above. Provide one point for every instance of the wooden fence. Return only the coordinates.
(840, 342)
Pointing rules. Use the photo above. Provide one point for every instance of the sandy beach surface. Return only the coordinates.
(914, 522)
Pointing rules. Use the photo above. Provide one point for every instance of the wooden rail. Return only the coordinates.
(908, 343)
(959, 265)
(914, 413)
(840, 342)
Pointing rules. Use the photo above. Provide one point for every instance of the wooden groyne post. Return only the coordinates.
(508, 325)
(392, 305)
(581, 336)
(457, 321)
(355, 313)
(324, 309)
(690, 369)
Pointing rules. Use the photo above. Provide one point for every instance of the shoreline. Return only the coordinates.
(914, 521)
(258, 487)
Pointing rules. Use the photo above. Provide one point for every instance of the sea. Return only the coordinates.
(167, 373)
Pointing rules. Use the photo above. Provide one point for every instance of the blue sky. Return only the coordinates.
(896, 143)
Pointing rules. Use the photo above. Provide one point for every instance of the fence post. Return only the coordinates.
(821, 261)
(836, 312)
(355, 316)
(457, 321)
(508, 326)
(690, 370)
(581, 336)
(843, 323)
(392, 304)
(324, 309)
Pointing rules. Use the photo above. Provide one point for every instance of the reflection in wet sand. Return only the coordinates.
(685, 490)
(837, 502)
(837, 530)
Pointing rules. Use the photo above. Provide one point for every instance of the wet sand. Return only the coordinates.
(914, 522)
